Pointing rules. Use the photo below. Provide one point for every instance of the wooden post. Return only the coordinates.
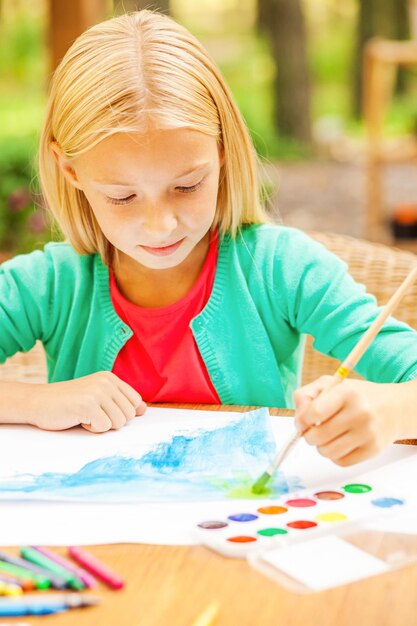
(376, 93)
(68, 19)
(380, 61)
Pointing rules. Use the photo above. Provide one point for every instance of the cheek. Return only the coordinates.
(201, 209)
(109, 220)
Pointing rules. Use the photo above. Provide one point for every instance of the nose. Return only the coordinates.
(159, 222)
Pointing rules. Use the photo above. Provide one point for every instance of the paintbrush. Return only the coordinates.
(342, 372)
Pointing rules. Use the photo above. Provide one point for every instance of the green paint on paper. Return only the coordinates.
(241, 488)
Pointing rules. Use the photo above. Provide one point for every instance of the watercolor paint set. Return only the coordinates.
(332, 560)
(295, 517)
(316, 539)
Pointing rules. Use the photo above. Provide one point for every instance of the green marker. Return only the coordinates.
(32, 555)
(40, 581)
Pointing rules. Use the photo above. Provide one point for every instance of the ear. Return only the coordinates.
(64, 165)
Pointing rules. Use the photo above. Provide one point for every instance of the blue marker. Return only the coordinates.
(19, 609)
(44, 604)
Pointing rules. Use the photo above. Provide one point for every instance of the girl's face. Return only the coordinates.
(154, 195)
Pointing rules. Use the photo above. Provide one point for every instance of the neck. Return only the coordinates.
(157, 288)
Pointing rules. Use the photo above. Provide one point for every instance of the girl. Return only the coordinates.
(172, 286)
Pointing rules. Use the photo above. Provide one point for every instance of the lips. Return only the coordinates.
(163, 250)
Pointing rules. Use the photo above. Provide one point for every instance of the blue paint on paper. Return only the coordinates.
(193, 465)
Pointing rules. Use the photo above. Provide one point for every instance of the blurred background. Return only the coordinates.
(328, 89)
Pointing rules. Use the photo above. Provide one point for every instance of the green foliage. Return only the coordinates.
(23, 222)
(331, 65)
(21, 112)
(402, 114)
(22, 50)
(252, 65)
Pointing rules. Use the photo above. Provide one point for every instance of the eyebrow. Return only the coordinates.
(194, 169)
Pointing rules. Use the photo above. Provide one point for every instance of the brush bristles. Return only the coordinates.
(259, 486)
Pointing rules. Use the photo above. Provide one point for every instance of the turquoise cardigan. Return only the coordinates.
(272, 286)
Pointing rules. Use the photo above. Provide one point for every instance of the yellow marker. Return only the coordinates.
(208, 616)
(9, 589)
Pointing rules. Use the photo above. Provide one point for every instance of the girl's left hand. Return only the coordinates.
(351, 422)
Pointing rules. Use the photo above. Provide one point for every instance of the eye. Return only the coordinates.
(121, 200)
(189, 189)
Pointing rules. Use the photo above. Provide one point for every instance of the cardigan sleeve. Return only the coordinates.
(24, 302)
(323, 300)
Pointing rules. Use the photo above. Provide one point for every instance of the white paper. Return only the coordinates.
(159, 523)
(324, 563)
(167, 455)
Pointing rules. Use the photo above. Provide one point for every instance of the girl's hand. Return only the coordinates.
(354, 420)
(99, 402)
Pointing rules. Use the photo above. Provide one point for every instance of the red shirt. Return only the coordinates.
(161, 360)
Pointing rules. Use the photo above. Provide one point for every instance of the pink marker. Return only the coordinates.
(82, 574)
(95, 566)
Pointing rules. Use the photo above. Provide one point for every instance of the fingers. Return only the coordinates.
(132, 396)
(334, 426)
(98, 402)
(343, 422)
(322, 408)
(327, 432)
(118, 417)
(307, 393)
(115, 404)
(358, 455)
(99, 422)
(344, 445)
(344, 440)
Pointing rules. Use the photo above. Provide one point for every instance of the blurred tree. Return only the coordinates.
(68, 19)
(379, 18)
(262, 15)
(283, 23)
(123, 6)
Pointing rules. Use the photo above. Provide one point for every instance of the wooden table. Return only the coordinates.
(172, 585)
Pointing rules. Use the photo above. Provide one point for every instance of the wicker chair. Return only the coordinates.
(381, 269)
(28, 367)
(377, 266)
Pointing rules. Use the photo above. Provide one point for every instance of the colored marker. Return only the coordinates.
(40, 582)
(9, 589)
(75, 600)
(19, 610)
(26, 584)
(95, 566)
(56, 571)
(56, 582)
(11, 580)
(82, 574)
(44, 605)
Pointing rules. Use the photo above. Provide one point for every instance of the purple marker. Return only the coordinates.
(9, 580)
(82, 574)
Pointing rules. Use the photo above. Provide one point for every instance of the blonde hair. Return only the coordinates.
(122, 75)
